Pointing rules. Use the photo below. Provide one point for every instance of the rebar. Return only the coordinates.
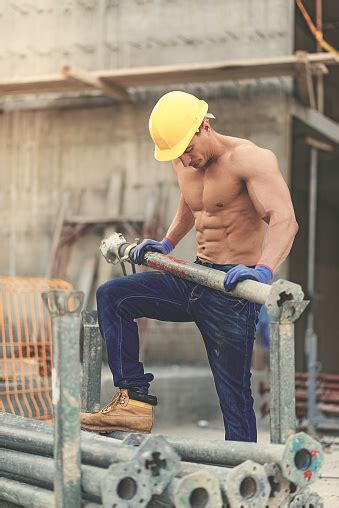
(300, 458)
(65, 307)
(155, 455)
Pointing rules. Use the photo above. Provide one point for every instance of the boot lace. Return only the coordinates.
(119, 397)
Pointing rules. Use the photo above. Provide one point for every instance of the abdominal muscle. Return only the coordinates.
(229, 237)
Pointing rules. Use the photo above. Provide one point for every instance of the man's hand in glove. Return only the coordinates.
(260, 273)
(164, 247)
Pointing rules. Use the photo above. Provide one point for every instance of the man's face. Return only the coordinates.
(197, 152)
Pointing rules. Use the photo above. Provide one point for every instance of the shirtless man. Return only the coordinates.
(229, 189)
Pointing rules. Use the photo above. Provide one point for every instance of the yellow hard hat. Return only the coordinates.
(175, 119)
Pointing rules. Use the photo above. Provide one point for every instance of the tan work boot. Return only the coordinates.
(128, 411)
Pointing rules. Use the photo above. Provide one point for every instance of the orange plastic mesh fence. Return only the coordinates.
(26, 346)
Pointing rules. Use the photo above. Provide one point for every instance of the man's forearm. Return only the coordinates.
(181, 224)
(278, 242)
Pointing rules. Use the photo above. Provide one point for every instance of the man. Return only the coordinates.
(229, 189)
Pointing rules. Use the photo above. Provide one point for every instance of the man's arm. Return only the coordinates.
(182, 223)
(271, 198)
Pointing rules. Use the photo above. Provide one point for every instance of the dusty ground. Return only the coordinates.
(327, 487)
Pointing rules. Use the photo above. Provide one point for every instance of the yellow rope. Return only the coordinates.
(317, 33)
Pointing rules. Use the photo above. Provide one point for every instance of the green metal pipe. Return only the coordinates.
(25, 495)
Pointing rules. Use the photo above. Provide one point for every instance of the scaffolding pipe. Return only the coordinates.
(300, 458)
(113, 486)
(42, 468)
(155, 456)
(21, 494)
(193, 490)
(244, 485)
(116, 248)
(64, 308)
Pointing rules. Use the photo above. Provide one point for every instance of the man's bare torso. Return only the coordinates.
(228, 228)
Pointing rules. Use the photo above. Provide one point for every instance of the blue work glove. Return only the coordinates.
(164, 247)
(260, 273)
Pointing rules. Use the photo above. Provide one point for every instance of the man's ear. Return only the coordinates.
(206, 125)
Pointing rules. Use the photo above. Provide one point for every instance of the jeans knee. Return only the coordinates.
(106, 292)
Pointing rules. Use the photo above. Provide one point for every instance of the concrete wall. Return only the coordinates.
(40, 36)
(45, 153)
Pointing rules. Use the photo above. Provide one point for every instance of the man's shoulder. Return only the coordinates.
(250, 157)
(250, 151)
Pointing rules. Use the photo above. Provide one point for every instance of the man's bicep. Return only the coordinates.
(267, 188)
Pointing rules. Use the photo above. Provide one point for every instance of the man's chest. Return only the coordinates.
(209, 190)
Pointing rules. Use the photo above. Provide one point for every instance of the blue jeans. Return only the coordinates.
(227, 325)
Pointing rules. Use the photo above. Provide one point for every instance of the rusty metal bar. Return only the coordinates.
(65, 307)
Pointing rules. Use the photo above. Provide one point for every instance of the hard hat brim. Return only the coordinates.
(177, 150)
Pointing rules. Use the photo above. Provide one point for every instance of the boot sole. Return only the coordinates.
(106, 430)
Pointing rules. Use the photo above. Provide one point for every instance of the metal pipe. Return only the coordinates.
(306, 499)
(42, 468)
(115, 485)
(155, 455)
(116, 248)
(64, 307)
(91, 362)
(310, 336)
(194, 490)
(25, 495)
(300, 458)
(245, 485)
(320, 77)
(282, 371)
(280, 487)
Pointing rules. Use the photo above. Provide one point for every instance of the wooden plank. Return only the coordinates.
(57, 234)
(114, 200)
(86, 278)
(120, 79)
(86, 78)
(304, 80)
(84, 219)
(319, 145)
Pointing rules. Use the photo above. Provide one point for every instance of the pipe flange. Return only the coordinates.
(134, 439)
(125, 485)
(282, 291)
(280, 487)
(159, 460)
(247, 486)
(110, 247)
(200, 488)
(302, 459)
(306, 499)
